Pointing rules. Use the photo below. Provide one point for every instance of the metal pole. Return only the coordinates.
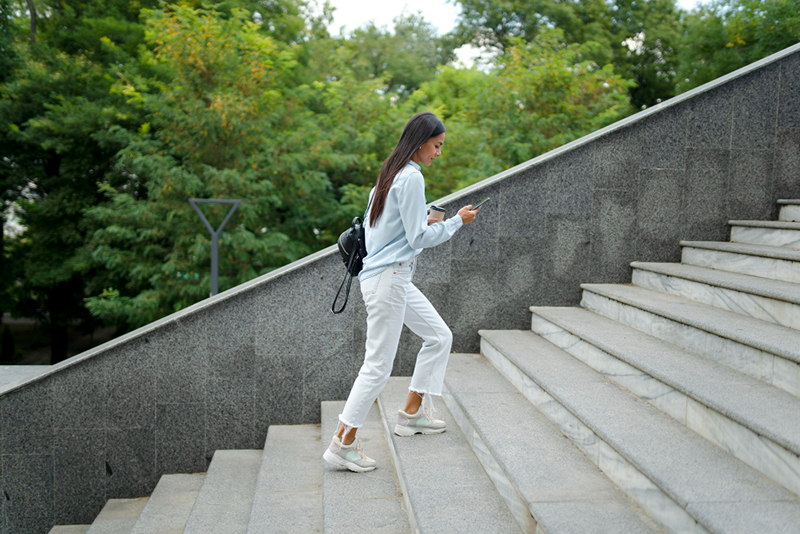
(214, 234)
(214, 263)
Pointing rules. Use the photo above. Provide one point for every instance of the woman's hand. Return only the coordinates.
(467, 215)
(432, 220)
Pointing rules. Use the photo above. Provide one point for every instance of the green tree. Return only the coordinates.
(638, 37)
(725, 35)
(646, 35)
(53, 104)
(537, 96)
(404, 59)
(210, 116)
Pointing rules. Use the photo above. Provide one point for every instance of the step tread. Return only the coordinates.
(763, 335)
(288, 494)
(745, 283)
(764, 409)
(361, 502)
(564, 490)
(118, 516)
(169, 505)
(447, 487)
(69, 529)
(765, 251)
(226, 497)
(789, 201)
(696, 474)
(778, 225)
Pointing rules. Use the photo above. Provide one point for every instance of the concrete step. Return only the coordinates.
(69, 529)
(445, 487)
(169, 505)
(361, 502)
(288, 496)
(545, 479)
(226, 497)
(789, 210)
(763, 350)
(118, 516)
(773, 233)
(755, 422)
(776, 263)
(769, 300)
(684, 482)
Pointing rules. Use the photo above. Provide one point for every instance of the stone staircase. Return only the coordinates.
(668, 405)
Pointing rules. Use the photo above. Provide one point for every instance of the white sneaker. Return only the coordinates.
(350, 456)
(418, 423)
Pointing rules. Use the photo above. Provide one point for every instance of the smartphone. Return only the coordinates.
(481, 203)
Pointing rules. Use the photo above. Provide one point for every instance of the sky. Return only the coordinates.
(354, 13)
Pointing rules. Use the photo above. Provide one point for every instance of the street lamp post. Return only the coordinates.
(214, 234)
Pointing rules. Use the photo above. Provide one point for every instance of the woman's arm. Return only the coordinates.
(411, 202)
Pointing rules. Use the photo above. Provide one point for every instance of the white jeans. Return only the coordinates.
(392, 300)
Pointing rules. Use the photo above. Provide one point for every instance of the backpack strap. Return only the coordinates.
(347, 278)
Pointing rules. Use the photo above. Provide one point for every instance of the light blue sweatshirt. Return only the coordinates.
(402, 230)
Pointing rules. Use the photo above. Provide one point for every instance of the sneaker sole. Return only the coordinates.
(337, 460)
(405, 431)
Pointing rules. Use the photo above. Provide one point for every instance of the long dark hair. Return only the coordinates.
(419, 129)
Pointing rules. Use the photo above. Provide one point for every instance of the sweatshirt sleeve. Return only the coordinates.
(411, 201)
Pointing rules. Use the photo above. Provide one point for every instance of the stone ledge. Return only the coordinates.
(763, 251)
(762, 335)
(743, 283)
(778, 225)
(695, 474)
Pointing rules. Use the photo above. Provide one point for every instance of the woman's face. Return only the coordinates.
(429, 151)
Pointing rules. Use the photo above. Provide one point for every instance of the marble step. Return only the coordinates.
(773, 233)
(546, 480)
(683, 481)
(776, 263)
(226, 497)
(445, 487)
(169, 505)
(118, 516)
(789, 210)
(288, 495)
(769, 300)
(766, 351)
(755, 422)
(361, 502)
(69, 529)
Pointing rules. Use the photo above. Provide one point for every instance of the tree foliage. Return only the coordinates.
(115, 113)
(725, 35)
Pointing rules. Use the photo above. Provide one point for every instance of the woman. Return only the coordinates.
(397, 229)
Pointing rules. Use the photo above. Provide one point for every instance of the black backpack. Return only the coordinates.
(353, 249)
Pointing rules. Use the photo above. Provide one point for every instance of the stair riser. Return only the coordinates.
(774, 370)
(516, 503)
(228, 491)
(169, 507)
(789, 213)
(756, 306)
(775, 237)
(288, 495)
(344, 493)
(757, 451)
(118, 516)
(636, 485)
(398, 467)
(775, 269)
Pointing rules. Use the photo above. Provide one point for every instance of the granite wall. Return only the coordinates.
(108, 423)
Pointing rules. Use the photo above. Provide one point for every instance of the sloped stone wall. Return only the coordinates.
(108, 423)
